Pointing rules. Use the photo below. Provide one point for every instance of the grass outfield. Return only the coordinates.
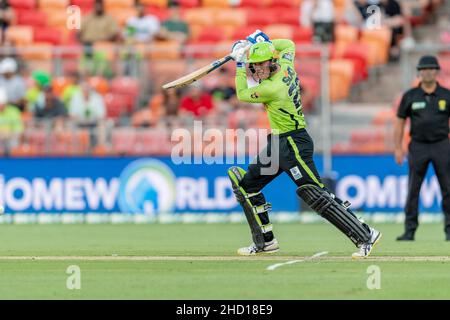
(199, 262)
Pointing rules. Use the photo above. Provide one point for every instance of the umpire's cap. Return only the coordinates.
(428, 62)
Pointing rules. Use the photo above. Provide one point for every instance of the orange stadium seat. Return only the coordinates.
(216, 3)
(22, 4)
(39, 51)
(212, 35)
(20, 35)
(32, 18)
(118, 3)
(156, 3)
(346, 33)
(122, 15)
(56, 17)
(279, 31)
(165, 50)
(165, 71)
(100, 84)
(200, 16)
(358, 53)
(53, 4)
(231, 17)
(341, 75)
(379, 40)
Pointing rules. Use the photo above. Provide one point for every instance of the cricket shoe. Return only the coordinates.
(269, 247)
(366, 248)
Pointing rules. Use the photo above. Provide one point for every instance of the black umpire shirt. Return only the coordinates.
(429, 113)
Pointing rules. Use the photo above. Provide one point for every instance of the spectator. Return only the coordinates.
(12, 83)
(174, 27)
(319, 14)
(11, 125)
(52, 107)
(87, 107)
(95, 63)
(35, 95)
(98, 26)
(143, 28)
(6, 17)
(394, 19)
(197, 102)
(71, 89)
(223, 92)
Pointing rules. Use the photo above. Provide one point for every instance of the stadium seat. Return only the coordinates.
(20, 35)
(101, 150)
(242, 32)
(161, 13)
(125, 85)
(162, 71)
(291, 17)
(109, 4)
(32, 18)
(379, 40)
(384, 117)
(85, 5)
(143, 118)
(444, 62)
(56, 17)
(279, 31)
(39, 51)
(155, 3)
(211, 35)
(216, 3)
(53, 4)
(116, 105)
(222, 48)
(122, 139)
(200, 16)
(47, 34)
(251, 3)
(189, 3)
(231, 17)
(165, 50)
(341, 75)
(23, 4)
(346, 33)
(24, 150)
(302, 34)
(122, 15)
(283, 4)
(100, 84)
(261, 17)
(358, 53)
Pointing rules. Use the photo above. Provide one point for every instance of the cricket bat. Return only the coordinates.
(197, 74)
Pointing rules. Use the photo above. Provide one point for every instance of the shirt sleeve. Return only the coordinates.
(286, 51)
(404, 110)
(261, 93)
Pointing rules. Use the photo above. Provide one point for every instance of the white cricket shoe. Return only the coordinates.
(366, 248)
(269, 247)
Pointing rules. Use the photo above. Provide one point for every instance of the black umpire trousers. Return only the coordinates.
(420, 156)
(291, 153)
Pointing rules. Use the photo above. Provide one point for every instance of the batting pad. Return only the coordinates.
(324, 204)
(251, 210)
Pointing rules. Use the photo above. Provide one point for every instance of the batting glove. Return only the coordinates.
(258, 36)
(239, 52)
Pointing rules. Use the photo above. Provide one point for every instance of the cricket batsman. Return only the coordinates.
(272, 66)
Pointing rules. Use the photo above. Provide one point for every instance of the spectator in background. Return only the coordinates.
(196, 101)
(98, 26)
(71, 89)
(142, 28)
(11, 125)
(394, 19)
(318, 14)
(12, 83)
(35, 95)
(87, 107)
(223, 92)
(174, 27)
(6, 17)
(51, 108)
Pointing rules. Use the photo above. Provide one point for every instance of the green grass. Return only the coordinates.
(193, 279)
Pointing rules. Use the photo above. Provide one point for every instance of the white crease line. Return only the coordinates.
(277, 265)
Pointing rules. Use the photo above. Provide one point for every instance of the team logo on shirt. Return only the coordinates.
(254, 95)
(442, 105)
(418, 105)
(288, 56)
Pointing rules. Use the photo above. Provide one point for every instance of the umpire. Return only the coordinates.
(428, 106)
